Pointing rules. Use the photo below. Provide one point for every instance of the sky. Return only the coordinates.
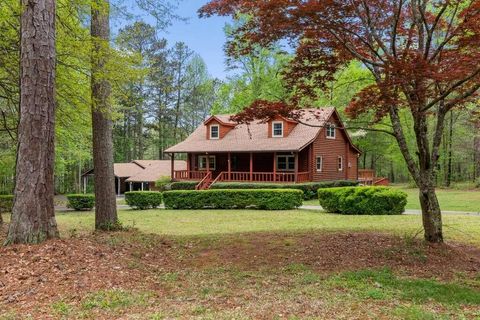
(204, 36)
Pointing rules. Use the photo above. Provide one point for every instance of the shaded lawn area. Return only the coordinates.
(216, 222)
(243, 264)
(450, 199)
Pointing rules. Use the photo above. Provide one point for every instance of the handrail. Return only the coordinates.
(205, 181)
(219, 178)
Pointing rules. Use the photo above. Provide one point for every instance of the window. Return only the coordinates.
(340, 163)
(214, 131)
(330, 129)
(277, 129)
(202, 162)
(285, 163)
(319, 163)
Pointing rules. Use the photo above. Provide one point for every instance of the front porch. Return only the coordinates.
(291, 167)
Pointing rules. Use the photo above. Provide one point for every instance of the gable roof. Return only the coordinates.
(156, 169)
(254, 137)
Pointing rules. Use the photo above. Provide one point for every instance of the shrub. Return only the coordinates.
(143, 199)
(363, 200)
(163, 183)
(309, 189)
(6, 203)
(184, 185)
(266, 199)
(80, 202)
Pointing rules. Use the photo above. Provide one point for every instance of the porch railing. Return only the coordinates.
(189, 175)
(285, 177)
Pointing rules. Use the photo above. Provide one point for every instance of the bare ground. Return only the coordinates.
(233, 276)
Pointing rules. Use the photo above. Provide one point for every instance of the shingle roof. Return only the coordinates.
(155, 169)
(254, 137)
(125, 170)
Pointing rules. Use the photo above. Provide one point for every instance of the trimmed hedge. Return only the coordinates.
(6, 203)
(184, 185)
(363, 200)
(80, 202)
(309, 189)
(143, 199)
(265, 199)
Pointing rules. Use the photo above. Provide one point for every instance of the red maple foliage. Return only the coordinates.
(423, 54)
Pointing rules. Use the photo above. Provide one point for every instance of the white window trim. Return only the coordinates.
(273, 129)
(218, 128)
(340, 163)
(214, 163)
(329, 126)
(321, 163)
(286, 156)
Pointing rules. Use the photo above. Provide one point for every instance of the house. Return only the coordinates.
(315, 147)
(138, 174)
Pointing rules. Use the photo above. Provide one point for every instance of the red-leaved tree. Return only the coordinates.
(424, 56)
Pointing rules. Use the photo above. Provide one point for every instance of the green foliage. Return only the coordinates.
(80, 202)
(143, 199)
(183, 185)
(6, 203)
(309, 189)
(363, 200)
(267, 199)
(163, 183)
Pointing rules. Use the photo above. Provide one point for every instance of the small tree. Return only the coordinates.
(422, 54)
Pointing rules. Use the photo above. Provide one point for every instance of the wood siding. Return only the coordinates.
(330, 150)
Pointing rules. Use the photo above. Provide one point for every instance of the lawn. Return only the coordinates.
(245, 264)
(450, 199)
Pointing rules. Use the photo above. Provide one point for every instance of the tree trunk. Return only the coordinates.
(423, 173)
(448, 181)
(105, 199)
(33, 215)
(431, 213)
(476, 146)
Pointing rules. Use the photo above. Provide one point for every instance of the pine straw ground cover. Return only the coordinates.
(255, 275)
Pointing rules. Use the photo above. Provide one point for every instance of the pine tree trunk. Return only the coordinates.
(33, 215)
(105, 199)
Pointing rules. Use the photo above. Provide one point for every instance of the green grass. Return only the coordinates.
(467, 200)
(215, 222)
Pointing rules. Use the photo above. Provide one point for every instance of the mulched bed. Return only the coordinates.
(32, 277)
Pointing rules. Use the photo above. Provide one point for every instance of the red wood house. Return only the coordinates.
(314, 148)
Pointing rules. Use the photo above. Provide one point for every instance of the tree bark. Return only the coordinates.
(448, 180)
(423, 173)
(104, 179)
(33, 216)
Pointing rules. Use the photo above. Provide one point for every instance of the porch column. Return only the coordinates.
(274, 167)
(172, 166)
(229, 166)
(118, 186)
(296, 166)
(188, 165)
(311, 162)
(142, 186)
(251, 166)
(129, 186)
(208, 163)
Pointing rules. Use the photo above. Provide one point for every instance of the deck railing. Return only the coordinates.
(281, 177)
(189, 175)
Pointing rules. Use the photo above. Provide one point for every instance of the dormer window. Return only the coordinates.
(214, 131)
(277, 129)
(330, 129)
